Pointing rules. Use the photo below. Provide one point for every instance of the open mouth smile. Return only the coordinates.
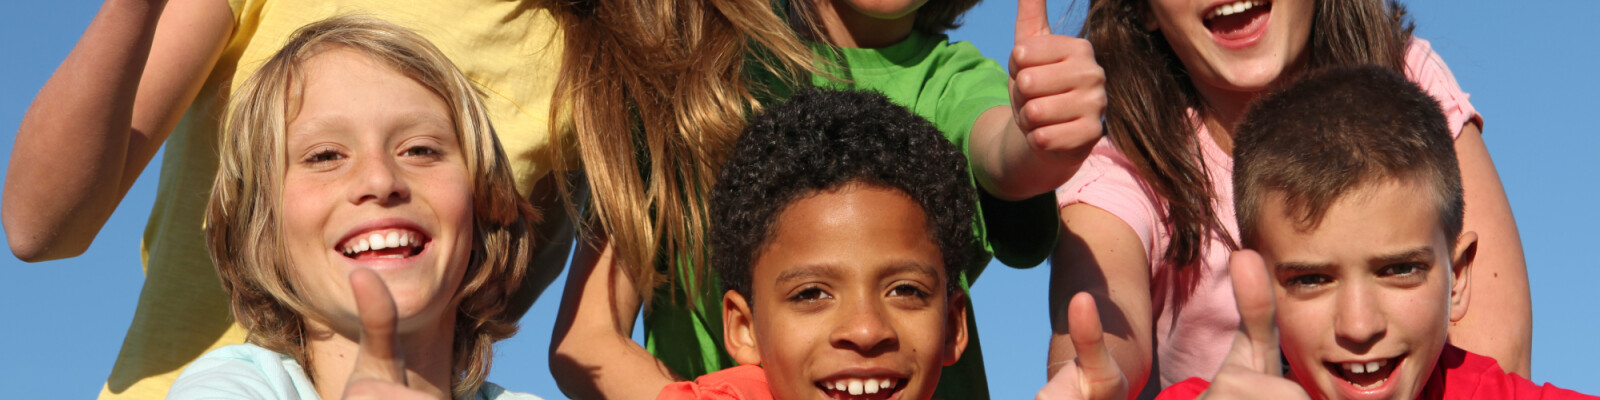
(391, 243)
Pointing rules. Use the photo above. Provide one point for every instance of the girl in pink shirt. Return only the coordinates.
(1148, 220)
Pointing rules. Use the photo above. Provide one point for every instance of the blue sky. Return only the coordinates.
(1528, 70)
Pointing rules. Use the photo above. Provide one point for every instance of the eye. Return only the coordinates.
(324, 155)
(908, 290)
(810, 294)
(422, 151)
(1307, 281)
(1403, 269)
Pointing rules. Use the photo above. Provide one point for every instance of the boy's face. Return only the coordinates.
(1364, 299)
(848, 297)
(375, 179)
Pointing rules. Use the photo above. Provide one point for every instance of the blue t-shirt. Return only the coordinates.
(247, 371)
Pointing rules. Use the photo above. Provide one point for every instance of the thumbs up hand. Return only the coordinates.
(380, 366)
(1094, 375)
(1253, 368)
(1057, 88)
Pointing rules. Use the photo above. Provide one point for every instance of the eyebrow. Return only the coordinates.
(835, 271)
(912, 267)
(1423, 253)
(809, 271)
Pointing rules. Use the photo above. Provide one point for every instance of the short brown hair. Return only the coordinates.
(1337, 130)
(244, 227)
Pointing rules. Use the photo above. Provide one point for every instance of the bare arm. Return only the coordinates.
(592, 353)
(1499, 322)
(101, 117)
(1057, 98)
(1011, 169)
(1101, 255)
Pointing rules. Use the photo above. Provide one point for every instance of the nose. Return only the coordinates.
(1360, 321)
(377, 178)
(863, 326)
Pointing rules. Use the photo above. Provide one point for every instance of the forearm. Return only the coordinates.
(592, 355)
(1010, 168)
(101, 117)
(1101, 255)
(600, 364)
(72, 143)
(1499, 320)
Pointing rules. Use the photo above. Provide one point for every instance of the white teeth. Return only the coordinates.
(1372, 366)
(383, 240)
(1358, 368)
(1234, 8)
(857, 386)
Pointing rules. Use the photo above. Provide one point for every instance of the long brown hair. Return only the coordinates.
(1150, 98)
(244, 219)
(654, 93)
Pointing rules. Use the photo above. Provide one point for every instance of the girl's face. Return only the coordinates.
(375, 179)
(1235, 45)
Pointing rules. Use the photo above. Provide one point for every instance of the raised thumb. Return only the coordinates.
(380, 357)
(1032, 20)
(1256, 343)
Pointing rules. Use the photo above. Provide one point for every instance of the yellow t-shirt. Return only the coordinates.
(511, 49)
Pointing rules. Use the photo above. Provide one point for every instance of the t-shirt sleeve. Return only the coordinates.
(1184, 390)
(1108, 181)
(1428, 70)
(745, 382)
(1020, 233)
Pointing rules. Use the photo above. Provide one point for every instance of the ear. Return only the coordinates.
(738, 329)
(956, 325)
(1466, 252)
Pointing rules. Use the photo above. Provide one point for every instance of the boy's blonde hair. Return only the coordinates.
(244, 227)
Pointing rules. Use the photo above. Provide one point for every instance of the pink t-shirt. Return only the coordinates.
(1192, 343)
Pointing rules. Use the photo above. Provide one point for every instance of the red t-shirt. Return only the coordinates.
(745, 382)
(1459, 375)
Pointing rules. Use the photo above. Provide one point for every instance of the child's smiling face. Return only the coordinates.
(375, 179)
(1365, 297)
(849, 293)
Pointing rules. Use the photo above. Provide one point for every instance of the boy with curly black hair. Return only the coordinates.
(839, 226)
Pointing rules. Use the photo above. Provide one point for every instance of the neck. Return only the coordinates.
(1223, 110)
(427, 353)
(846, 27)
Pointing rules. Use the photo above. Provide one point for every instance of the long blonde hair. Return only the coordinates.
(244, 227)
(657, 91)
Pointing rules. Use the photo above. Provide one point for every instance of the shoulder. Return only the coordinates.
(1109, 181)
(243, 371)
(741, 382)
(1462, 374)
(1425, 68)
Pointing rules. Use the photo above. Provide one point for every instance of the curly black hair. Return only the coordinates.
(821, 140)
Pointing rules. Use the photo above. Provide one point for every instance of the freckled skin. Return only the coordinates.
(369, 143)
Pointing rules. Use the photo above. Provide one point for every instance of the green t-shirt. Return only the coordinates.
(950, 84)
